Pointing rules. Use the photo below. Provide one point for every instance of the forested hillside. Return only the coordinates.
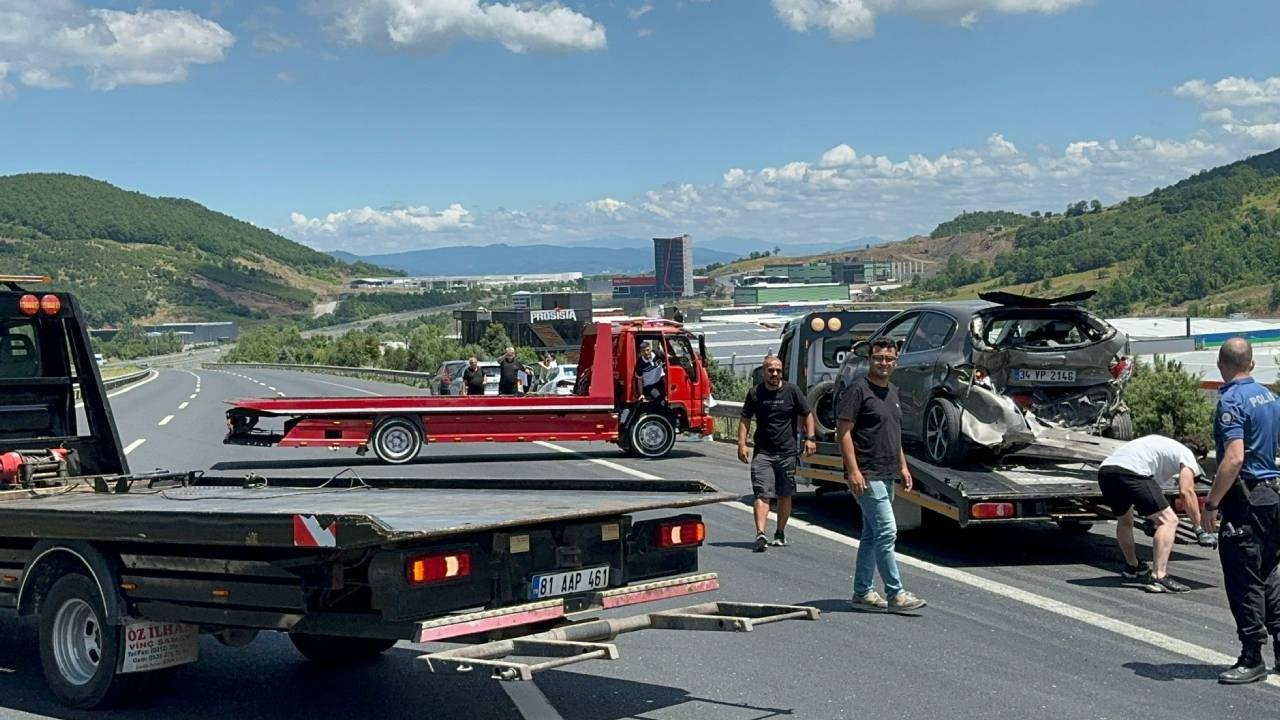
(134, 257)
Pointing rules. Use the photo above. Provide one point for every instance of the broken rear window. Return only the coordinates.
(1039, 329)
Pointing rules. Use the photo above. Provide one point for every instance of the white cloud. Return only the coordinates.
(856, 19)
(432, 24)
(45, 42)
(640, 11)
(836, 195)
(1232, 92)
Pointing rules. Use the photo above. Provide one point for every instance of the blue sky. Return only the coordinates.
(388, 125)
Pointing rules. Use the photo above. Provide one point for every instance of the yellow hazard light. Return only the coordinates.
(834, 324)
(817, 324)
(128, 586)
(222, 593)
(24, 278)
(50, 304)
(29, 304)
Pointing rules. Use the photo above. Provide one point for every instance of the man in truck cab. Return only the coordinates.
(651, 373)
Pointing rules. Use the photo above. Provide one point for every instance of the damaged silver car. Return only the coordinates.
(991, 375)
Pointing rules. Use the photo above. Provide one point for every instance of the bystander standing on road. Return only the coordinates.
(869, 431)
(1246, 490)
(509, 369)
(473, 377)
(547, 368)
(1130, 482)
(650, 374)
(778, 407)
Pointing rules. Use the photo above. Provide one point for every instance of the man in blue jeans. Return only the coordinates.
(869, 430)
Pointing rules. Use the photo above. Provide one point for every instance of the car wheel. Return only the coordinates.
(396, 440)
(822, 400)
(652, 436)
(1121, 427)
(943, 444)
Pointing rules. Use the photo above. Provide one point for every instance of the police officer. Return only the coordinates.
(1246, 491)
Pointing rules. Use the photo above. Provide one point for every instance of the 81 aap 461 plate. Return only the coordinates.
(566, 583)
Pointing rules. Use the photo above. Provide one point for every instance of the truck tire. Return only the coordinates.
(943, 444)
(396, 440)
(338, 650)
(651, 436)
(79, 651)
(822, 400)
(1121, 427)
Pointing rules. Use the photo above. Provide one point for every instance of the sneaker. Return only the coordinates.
(779, 539)
(762, 543)
(1205, 539)
(1164, 584)
(905, 602)
(1133, 572)
(870, 601)
(1246, 670)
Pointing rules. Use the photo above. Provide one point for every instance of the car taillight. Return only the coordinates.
(690, 532)
(50, 304)
(425, 569)
(991, 510)
(1121, 368)
(29, 304)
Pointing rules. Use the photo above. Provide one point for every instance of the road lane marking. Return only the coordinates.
(193, 396)
(134, 445)
(271, 388)
(165, 421)
(599, 461)
(529, 701)
(183, 405)
(348, 387)
(1040, 602)
(127, 388)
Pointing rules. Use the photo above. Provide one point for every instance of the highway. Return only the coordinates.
(1024, 621)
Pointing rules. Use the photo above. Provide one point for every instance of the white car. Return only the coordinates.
(561, 381)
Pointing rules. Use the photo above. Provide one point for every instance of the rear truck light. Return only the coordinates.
(29, 304)
(683, 534)
(425, 569)
(991, 510)
(1121, 368)
(50, 304)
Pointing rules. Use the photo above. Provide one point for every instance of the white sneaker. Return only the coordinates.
(905, 602)
(870, 601)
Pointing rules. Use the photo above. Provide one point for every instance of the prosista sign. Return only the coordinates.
(548, 315)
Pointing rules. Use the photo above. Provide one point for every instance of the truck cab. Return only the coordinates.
(685, 406)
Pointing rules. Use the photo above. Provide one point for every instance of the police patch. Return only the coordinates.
(1226, 418)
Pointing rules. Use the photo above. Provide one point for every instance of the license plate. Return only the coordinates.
(567, 583)
(1044, 375)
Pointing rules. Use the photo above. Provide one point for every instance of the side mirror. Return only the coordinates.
(861, 349)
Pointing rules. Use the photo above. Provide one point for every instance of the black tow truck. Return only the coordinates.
(125, 571)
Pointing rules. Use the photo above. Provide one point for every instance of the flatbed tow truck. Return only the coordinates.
(125, 571)
(605, 406)
(1053, 480)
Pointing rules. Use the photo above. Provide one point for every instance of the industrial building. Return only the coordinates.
(551, 321)
(464, 282)
(673, 265)
(645, 287)
(790, 292)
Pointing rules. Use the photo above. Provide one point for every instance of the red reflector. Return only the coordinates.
(692, 532)
(987, 511)
(50, 304)
(29, 304)
(434, 568)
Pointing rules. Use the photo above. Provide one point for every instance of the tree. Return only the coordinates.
(777, 250)
(1095, 206)
(1167, 400)
(1273, 302)
(495, 340)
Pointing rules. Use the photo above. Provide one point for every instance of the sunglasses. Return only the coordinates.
(774, 371)
(884, 359)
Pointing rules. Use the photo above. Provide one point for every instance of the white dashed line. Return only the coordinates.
(607, 463)
(165, 421)
(183, 405)
(193, 396)
(272, 389)
(134, 445)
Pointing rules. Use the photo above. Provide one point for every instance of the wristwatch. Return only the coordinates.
(1211, 506)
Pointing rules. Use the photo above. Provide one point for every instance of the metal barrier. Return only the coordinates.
(327, 370)
(118, 382)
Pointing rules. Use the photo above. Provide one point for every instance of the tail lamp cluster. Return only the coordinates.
(32, 305)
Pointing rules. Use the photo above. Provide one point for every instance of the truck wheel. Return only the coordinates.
(79, 651)
(822, 399)
(943, 444)
(338, 650)
(1121, 427)
(652, 436)
(396, 441)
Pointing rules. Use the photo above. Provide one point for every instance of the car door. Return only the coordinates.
(918, 367)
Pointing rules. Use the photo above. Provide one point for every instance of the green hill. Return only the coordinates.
(134, 257)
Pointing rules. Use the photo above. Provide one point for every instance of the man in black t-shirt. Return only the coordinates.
(651, 374)
(473, 377)
(509, 369)
(869, 431)
(777, 406)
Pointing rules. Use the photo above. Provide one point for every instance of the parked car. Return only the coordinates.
(561, 381)
(491, 372)
(988, 374)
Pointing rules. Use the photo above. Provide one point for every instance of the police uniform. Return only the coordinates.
(1249, 537)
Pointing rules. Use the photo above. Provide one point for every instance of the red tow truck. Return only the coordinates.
(605, 405)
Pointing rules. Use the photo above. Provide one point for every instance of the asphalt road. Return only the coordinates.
(1023, 621)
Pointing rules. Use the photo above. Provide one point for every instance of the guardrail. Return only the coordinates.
(328, 370)
(122, 380)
